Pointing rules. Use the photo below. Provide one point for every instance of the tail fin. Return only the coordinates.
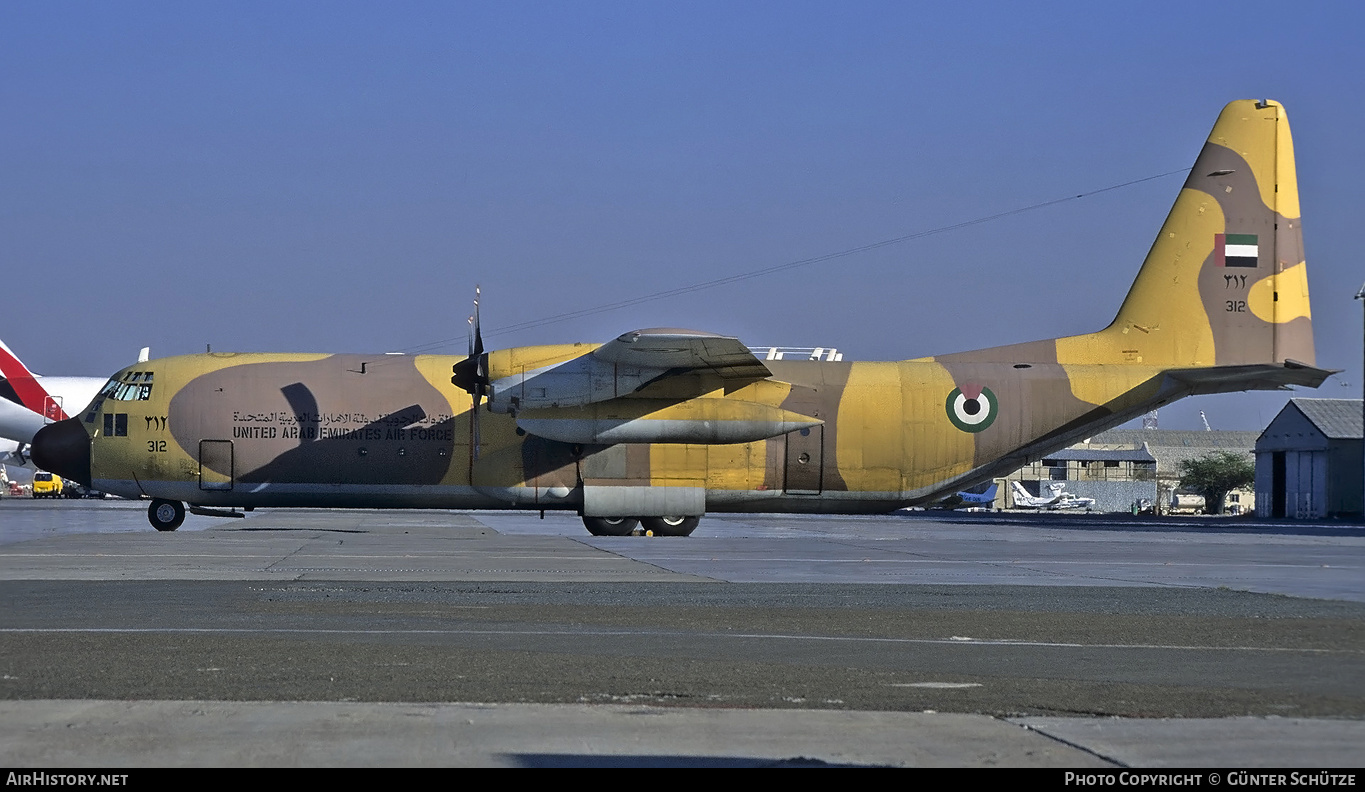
(25, 387)
(1225, 283)
(983, 497)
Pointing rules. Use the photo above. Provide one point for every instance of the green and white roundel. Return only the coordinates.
(972, 408)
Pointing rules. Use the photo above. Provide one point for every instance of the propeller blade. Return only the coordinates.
(478, 334)
(471, 374)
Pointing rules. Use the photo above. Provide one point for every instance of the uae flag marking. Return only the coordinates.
(1236, 250)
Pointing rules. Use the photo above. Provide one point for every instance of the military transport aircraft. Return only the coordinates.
(661, 426)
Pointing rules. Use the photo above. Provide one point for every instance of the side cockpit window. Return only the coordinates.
(128, 386)
(116, 424)
(105, 392)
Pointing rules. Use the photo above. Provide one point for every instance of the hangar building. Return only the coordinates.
(1309, 461)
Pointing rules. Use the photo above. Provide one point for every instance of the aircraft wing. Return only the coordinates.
(646, 386)
(19, 423)
(660, 363)
(677, 350)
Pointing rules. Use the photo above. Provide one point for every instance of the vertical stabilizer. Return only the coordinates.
(25, 387)
(1225, 282)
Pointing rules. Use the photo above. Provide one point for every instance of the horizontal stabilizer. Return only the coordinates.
(1259, 376)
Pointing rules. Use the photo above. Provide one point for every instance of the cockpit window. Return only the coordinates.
(135, 386)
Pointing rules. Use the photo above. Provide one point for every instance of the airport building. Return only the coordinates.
(1116, 478)
(1309, 462)
(1124, 469)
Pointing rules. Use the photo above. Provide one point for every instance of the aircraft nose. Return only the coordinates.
(63, 448)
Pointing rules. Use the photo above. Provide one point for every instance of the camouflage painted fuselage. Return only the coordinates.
(254, 429)
(1220, 304)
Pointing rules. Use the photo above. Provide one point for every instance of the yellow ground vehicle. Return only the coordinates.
(46, 485)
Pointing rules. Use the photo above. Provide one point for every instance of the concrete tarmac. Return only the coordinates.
(430, 638)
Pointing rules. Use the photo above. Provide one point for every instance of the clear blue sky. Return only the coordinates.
(326, 176)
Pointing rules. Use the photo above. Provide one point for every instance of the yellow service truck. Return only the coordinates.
(47, 485)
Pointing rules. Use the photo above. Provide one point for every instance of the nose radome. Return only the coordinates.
(63, 448)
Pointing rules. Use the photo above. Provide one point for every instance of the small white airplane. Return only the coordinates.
(28, 402)
(980, 499)
(976, 501)
(1057, 499)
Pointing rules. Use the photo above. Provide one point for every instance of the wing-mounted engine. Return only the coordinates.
(701, 421)
(660, 385)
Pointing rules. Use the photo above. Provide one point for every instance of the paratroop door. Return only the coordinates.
(804, 460)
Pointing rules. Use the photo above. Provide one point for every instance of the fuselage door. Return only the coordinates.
(215, 465)
(804, 460)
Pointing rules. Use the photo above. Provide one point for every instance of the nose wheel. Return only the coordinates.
(166, 515)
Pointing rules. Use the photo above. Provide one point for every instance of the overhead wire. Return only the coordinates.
(711, 284)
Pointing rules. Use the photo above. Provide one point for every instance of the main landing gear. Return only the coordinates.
(670, 526)
(653, 526)
(166, 515)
